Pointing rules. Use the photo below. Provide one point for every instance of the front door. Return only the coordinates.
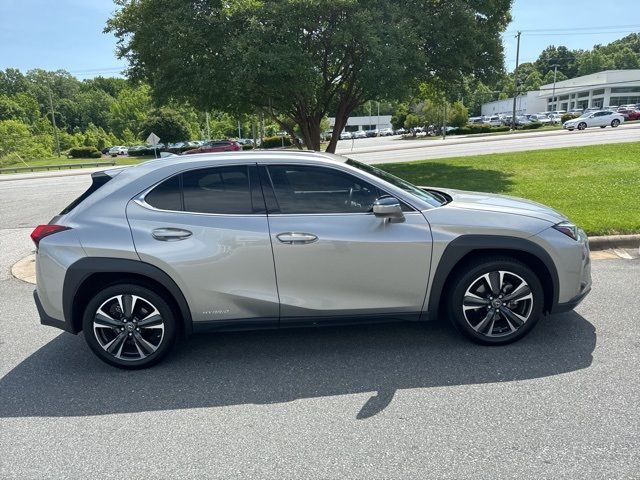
(334, 258)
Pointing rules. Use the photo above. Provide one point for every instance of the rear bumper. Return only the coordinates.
(49, 321)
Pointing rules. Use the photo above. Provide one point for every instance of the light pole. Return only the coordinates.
(515, 83)
(553, 94)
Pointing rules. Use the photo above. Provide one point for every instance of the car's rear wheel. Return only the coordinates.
(615, 122)
(129, 326)
(582, 126)
(495, 300)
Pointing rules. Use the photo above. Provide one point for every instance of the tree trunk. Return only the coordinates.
(310, 128)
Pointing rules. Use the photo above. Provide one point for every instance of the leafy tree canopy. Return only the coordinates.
(304, 59)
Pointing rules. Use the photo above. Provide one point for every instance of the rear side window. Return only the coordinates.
(219, 190)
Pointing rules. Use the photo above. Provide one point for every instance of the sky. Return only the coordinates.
(67, 34)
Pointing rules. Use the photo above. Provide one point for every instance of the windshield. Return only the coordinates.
(396, 182)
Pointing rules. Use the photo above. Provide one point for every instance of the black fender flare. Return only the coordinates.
(463, 245)
(81, 270)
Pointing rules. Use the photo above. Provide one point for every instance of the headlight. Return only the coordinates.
(569, 229)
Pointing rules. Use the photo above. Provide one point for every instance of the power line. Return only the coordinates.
(574, 29)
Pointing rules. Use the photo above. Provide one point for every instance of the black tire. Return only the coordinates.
(501, 328)
(615, 122)
(603, 126)
(160, 333)
(582, 126)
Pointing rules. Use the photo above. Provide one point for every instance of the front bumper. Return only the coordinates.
(573, 303)
(49, 321)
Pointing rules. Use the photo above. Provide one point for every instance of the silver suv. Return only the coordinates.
(277, 239)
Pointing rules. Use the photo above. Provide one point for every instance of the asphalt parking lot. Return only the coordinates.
(384, 401)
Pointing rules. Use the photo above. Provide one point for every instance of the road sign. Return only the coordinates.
(153, 139)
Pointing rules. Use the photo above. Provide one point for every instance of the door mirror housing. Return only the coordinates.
(388, 207)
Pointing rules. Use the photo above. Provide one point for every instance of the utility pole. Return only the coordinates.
(208, 131)
(239, 130)
(553, 95)
(444, 122)
(378, 121)
(53, 120)
(369, 114)
(515, 81)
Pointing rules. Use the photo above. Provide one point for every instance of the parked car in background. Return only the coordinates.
(543, 119)
(629, 114)
(216, 146)
(255, 240)
(555, 118)
(118, 150)
(359, 134)
(372, 133)
(346, 135)
(601, 118)
(386, 132)
(494, 121)
(400, 131)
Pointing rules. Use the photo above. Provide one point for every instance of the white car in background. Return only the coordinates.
(601, 118)
(360, 134)
(118, 150)
(346, 136)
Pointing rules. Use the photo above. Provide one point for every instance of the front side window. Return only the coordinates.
(307, 190)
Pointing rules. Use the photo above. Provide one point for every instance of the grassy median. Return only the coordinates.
(598, 187)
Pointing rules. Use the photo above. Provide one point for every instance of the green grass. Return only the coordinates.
(598, 187)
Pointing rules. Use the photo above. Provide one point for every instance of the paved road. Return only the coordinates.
(394, 149)
(394, 401)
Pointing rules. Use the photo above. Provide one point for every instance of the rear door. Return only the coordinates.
(334, 258)
(207, 228)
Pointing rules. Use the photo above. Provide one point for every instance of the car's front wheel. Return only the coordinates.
(615, 123)
(495, 300)
(582, 126)
(129, 326)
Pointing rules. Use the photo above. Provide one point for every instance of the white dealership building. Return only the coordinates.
(602, 89)
(373, 122)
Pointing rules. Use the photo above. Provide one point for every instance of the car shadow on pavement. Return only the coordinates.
(63, 378)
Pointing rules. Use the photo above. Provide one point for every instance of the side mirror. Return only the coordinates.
(388, 207)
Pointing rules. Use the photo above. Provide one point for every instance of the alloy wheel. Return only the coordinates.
(582, 126)
(128, 327)
(497, 303)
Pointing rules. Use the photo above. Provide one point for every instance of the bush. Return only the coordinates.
(84, 152)
(565, 117)
(531, 126)
(275, 142)
(478, 128)
(250, 147)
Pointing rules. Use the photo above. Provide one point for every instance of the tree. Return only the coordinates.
(459, 115)
(561, 56)
(129, 110)
(167, 124)
(305, 59)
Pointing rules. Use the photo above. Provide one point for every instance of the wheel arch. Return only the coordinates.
(88, 275)
(468, 247)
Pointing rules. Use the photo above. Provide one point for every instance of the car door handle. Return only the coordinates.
(296, 238)
(170, 234)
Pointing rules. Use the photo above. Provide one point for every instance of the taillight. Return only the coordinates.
(42, 231)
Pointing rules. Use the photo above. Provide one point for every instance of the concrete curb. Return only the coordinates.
(25, 268)
(614, 241)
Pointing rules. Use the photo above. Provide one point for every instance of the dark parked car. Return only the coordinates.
(629, 114)
(217, 146)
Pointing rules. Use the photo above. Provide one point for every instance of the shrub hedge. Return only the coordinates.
(275, 142)
(84, 152)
